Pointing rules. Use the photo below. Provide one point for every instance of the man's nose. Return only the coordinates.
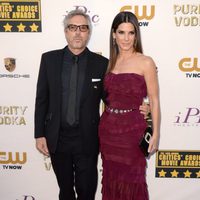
(78, 30)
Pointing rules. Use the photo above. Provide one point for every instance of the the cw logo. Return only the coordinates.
(11, 158)
(144, 14)
(189, 64)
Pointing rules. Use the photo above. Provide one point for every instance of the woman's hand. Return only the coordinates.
(153, 144)
(145, 109)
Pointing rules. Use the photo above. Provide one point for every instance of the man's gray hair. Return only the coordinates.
(75, 13)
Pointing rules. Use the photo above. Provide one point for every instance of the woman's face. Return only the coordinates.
(125, 37)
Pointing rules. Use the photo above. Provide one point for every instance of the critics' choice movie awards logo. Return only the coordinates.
(190, 66)
(13, 160)
(20, 16)
(186, 15)
(13, 115)
(177, 164)
(144, 13)
(10, 66)
(94, 17)
(188, 117)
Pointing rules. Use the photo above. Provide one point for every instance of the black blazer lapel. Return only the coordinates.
(58, 70)
(88, 78)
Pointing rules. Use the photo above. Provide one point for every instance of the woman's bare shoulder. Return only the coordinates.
(147, 61)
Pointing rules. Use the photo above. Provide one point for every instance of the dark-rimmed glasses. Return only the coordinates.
(82, 28)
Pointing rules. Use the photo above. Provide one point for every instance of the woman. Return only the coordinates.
(131, 76)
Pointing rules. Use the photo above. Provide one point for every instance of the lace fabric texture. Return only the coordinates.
(124, 165)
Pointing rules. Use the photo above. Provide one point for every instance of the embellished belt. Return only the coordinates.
(118, 111)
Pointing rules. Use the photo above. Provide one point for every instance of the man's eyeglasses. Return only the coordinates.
(82, 28)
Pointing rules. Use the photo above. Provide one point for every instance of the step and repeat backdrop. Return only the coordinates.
(170, 34)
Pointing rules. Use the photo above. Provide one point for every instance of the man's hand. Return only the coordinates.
(145, 110)
(41, 145)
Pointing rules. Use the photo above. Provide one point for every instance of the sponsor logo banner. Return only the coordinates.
(187, 15)
(95, 18)
(12, 160)
(144, 13)
(20, 16)
(13, 115)
(177, 164)
(189, 117)
(10, 66)
(189, 66)
(27, 197)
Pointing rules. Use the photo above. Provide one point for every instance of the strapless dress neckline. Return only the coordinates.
(126, 73)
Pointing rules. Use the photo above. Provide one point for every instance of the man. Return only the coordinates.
(69, 89)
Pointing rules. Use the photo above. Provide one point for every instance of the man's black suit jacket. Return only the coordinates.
(48, 100)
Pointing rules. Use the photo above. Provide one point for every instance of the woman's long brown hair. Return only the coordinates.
(123, 17)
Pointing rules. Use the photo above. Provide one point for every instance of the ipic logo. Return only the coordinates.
(12, 158)
(190, 117)
(190, 66)
(142, 12)
(94, 17)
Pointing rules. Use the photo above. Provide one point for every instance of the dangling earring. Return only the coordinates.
(114, 41)
(135, 44)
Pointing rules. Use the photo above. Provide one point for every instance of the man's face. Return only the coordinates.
(77, 39)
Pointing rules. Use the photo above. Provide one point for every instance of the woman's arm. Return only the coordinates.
(151, 78)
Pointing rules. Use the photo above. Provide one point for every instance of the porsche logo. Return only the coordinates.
(10, 64)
